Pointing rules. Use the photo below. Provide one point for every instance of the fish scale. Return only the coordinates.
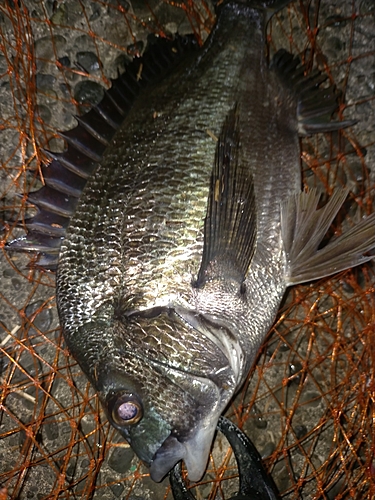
(192, 169)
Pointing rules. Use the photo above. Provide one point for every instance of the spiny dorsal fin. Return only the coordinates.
(230, 224)
(67, 174)
(303, 228)
(316, 104)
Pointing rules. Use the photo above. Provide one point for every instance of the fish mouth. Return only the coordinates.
(194, 452)
(192, 447)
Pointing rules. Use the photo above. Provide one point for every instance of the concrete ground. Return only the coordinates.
(309, 401)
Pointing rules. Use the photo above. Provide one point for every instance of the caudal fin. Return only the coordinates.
(303, 228)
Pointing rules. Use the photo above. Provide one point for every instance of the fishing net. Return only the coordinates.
(308, 403)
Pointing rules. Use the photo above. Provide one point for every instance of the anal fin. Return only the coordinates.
(230, 224)
(303, 228)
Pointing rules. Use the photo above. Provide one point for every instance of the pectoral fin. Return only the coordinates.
(230, 224)
(303, 228)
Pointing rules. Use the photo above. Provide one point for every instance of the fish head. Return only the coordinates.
(164, 389)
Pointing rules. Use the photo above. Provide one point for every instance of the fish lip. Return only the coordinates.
(194, 451)
(158, 472)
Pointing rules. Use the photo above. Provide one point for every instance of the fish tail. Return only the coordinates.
(303, 228)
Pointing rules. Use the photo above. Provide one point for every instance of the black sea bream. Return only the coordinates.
(190, 230)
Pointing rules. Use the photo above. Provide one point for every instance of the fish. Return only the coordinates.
(189, 229)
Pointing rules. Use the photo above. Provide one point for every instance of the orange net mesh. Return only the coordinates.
(308, 404)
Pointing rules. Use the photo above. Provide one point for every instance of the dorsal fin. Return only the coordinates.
(230, 224)
(316, 104)
(67, 174)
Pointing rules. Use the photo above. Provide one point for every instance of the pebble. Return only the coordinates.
(267, 450)
(120, 459)
(300, 431)
(43, 319)
(29, 365)
(60, 16)
(24, 442)
(17, 285)
(116, 488)
(121, 62)
(336, 21)
(260, 422)
(312, 399)
(88, 61)
(71, 470)
(45, 82)
(358, 172)
(68, 13)
(294, 369)
(257, 419)
(44, 113)
(64, 61)
(8, 273)
(113, 7)
(347, 287)
(45, 50)
(284, 347)
(51, 430)
(96, 12)
(88, 92)
(3, 64)
(64, 89)
(135, 49)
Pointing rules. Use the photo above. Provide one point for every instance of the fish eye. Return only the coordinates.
(125, 409)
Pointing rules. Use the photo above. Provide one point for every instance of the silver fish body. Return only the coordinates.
(164, 339)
